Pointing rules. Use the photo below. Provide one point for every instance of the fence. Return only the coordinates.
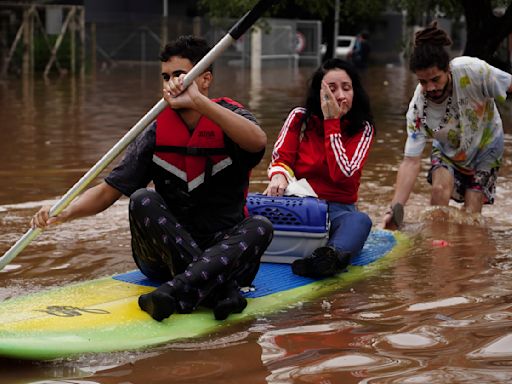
(292, 42)
(33, 35)
(30, 29)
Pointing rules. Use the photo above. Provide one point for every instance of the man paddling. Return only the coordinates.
(454, 104)
(191, 231)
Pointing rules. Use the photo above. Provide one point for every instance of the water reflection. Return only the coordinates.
(500, 349)
(439, 314)
(320, 353)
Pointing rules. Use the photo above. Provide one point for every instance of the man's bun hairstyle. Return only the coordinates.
(429, 49)
(432, 35)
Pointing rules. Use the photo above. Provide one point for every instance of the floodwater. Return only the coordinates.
(435, 315)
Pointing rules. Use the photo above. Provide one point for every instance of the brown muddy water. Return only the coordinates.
(436, 315)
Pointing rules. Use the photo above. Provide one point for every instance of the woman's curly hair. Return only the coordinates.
(360, 111)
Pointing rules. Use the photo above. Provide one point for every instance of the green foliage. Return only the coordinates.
(236, 8)
(223, 8)
(42, 53)
(416, 9)
(352, 12)
(355, 14)
(452, 9)
(361, 10)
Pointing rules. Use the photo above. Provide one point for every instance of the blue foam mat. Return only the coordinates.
(272, 278)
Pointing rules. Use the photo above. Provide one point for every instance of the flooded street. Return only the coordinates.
(436, 315)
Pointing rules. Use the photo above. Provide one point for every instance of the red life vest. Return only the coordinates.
(191, 156)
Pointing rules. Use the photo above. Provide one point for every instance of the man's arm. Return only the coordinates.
(406, 177)
(242, 131)
(91, 202)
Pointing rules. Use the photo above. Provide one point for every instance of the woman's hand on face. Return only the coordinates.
(277, 185)
(328, 103)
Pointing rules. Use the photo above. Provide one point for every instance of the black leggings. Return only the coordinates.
(164, 251)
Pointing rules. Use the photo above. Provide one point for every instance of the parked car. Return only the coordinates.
(344, 46)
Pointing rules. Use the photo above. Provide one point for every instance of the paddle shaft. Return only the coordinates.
(233, 34)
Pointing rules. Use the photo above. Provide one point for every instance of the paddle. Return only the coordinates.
(233, 34)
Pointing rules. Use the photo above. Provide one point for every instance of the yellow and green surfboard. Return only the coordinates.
(102, 315)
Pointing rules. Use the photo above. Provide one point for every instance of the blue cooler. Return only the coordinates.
(300, 225)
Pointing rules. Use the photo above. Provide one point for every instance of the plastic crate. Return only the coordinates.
(301, 225)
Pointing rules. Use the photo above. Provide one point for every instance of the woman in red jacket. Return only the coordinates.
(326, 142)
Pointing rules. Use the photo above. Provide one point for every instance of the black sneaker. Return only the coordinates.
(227, 300)
(323, 262)
(235, 303)
(160, 303)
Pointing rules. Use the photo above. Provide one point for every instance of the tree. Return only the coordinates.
(236, 8)
(486, 29)
(353, 13)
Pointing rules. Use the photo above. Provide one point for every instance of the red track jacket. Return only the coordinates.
(328, 159)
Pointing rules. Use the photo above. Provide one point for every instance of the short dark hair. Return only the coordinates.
(360, 111)
(429, 49)
(189, 47)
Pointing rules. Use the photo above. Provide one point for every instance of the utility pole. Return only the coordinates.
(336, 26)
(164, 32)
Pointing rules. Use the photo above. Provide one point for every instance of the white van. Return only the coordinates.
(344, 46)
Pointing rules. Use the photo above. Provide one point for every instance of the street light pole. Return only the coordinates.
(165, 23)
(336, 25)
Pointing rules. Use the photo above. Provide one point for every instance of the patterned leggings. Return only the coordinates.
(164, 251)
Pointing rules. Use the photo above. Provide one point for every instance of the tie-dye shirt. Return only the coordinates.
(472, 124)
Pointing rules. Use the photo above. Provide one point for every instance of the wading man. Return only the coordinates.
(454, 105)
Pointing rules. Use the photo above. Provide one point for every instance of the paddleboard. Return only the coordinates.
(102, 315)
